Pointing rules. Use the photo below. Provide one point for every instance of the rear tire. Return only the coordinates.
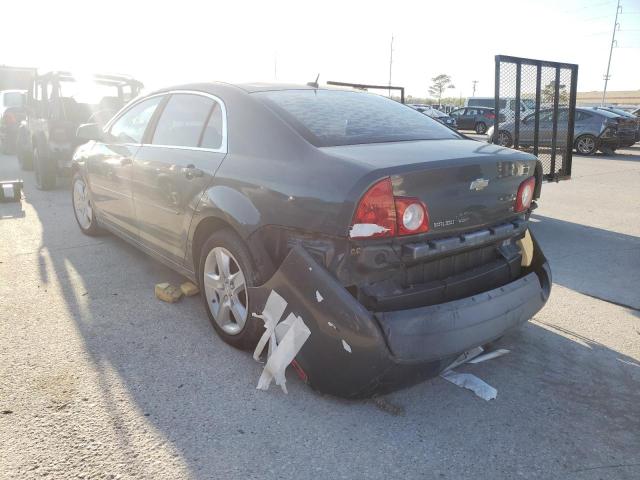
(225, 291)
(504, 139)
(586, 145)
(481, 128)
(45, 172)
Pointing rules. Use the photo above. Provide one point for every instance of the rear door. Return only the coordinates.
(174, 166)
(110, 166)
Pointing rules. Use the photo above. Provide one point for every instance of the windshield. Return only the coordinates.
(333, 117)
(87, 91)
(529, 103)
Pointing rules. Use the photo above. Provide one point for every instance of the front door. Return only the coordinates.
(173, 168)
(468, 119)
(110, 166)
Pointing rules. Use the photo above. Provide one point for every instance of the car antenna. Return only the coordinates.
(315, 83)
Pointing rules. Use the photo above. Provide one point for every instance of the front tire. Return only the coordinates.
(481, 128)
(226, 272)
(45, 172)
(83, 207)
(586, 145)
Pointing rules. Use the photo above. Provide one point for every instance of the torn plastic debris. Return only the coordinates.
(468, 380)
(366, 230)
(471, 382)
(285, 341)
(489, 355)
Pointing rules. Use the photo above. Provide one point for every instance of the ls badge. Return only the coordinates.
(479, 184)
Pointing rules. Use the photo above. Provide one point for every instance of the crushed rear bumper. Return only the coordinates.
(355, 353)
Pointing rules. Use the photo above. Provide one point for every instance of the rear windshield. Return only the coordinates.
(13, 99)
(329, 118)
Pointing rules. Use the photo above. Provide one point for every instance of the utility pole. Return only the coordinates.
(390, 62)
(616, 26)
(275, 66)
(475, 82)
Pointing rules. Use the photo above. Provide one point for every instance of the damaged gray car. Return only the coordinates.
(387, 232)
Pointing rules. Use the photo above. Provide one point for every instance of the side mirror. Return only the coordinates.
(90, 131)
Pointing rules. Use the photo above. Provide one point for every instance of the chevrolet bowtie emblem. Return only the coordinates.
(479, 184)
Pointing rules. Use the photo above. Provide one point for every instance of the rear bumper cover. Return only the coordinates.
(355, 353)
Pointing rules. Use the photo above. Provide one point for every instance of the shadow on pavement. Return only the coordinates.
(590, 260)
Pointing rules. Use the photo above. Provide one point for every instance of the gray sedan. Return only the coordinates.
(594, 130)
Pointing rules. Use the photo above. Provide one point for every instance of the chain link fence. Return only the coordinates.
(536, 101)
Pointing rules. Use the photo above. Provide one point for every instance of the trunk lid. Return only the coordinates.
(465, 184)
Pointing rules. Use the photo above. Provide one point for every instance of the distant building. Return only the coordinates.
(628, 98)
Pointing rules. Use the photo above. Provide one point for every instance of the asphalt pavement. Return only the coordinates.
(99, 379)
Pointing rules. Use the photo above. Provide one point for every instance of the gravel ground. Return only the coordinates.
(98, 379)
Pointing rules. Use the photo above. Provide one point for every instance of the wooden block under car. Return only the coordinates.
(168, 293)
(189, 289)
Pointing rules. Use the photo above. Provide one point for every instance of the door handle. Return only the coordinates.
(126, 161)
(190, 171)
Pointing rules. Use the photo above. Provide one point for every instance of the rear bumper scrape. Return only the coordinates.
(354, 353)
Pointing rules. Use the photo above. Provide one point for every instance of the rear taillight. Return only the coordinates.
(490, 115)
(412, 216)
(525, 194)
(380, 214)
(8, 118)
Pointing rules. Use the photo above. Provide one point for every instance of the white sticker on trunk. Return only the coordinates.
(366, 230)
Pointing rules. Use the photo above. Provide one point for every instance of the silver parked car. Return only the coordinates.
(595, 129)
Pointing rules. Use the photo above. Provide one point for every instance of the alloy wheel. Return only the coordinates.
(586, 145)
(82, 204)
(226, 290)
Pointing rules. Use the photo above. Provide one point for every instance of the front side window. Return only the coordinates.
(130, 127)
(182, 121)
(334, 117)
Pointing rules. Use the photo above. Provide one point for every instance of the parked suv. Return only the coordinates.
(57, 103)
(474, 118)
(11, 114)
(595, 129)
(399, 243)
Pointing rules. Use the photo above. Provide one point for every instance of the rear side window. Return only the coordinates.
(332, 117)
(582, 116)
(212, 135)
(183, 120)
(130, 127)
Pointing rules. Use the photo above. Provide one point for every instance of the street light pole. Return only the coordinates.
(474, 88)
(616, 25)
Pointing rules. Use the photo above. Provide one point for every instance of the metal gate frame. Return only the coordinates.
(361, 86)
(565, 173)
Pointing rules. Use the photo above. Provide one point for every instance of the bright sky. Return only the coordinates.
(168, 42)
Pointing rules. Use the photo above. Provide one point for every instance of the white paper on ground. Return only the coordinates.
(366, 230)
(489, 355)
(286, 350)
(271, 314)
(471, 382)
(346, 346)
